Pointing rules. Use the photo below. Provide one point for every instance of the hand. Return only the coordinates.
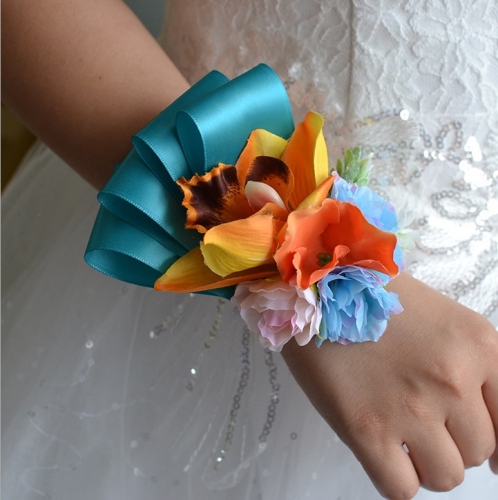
(431, 382)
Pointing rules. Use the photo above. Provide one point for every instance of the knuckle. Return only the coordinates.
(444, 482)
(493, 463)
(453, 481)
(474, 462)
(405, 493)
(451, 377)
(483, 334)
(480, 457)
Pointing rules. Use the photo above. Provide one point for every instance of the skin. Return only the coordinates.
(86, 75)
(430, 382)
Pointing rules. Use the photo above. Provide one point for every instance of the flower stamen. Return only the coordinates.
(324, 259)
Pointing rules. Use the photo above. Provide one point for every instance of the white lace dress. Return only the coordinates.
(110, 391)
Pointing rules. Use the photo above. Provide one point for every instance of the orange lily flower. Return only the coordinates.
(318, 238)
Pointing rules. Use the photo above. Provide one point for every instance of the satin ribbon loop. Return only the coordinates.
(122, 251)
(157, 143)
(215, 129)
(147, 205)
(140, 229)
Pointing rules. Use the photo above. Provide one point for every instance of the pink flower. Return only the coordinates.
(278, 311)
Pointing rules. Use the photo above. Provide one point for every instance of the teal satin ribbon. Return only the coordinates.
(140, 228)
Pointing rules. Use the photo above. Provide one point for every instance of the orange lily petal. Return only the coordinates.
(190, 274)
(260, 143)
(317, 197)
(321, 159)
(319, 238)
(369, 246)
(299, 262)
(241, 245)
(306, 156)
(214, 198)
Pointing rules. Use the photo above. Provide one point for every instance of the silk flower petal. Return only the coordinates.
(306, 156)
(241, 245)
(260, 143)
(190, 274)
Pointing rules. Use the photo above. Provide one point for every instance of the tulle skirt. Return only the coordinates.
(111, 391)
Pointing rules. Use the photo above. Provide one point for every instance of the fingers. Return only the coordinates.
(436, 458)
(472, 430)
(490, 389)
(493, 461)
(391, 471)
(490, 394)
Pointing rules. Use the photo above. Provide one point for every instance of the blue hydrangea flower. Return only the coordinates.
(355, 305)
(376, 210)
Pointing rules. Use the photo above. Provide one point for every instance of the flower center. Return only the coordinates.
(324, 259)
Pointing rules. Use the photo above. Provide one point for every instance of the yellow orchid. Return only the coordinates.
(242, 208)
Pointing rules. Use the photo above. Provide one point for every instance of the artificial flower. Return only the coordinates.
(316, 239)
(240, 209)
(376, 210)
(355, 305)
(278, 311)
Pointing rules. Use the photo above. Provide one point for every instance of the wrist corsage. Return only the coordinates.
(303, 251)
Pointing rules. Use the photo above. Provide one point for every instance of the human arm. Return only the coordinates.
(84, 76)
(430, 382)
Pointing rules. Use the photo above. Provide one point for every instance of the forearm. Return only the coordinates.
(84, 76)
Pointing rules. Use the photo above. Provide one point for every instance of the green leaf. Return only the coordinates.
(353, 168)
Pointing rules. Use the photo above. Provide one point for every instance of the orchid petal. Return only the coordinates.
(258, 194)
(260, 143)
(306, 156)
(274, 173)
(240, 245)
(275, 211)
(214, 198)
(190, 274)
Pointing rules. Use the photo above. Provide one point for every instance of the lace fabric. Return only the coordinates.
(414, 83)
(111, 391)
